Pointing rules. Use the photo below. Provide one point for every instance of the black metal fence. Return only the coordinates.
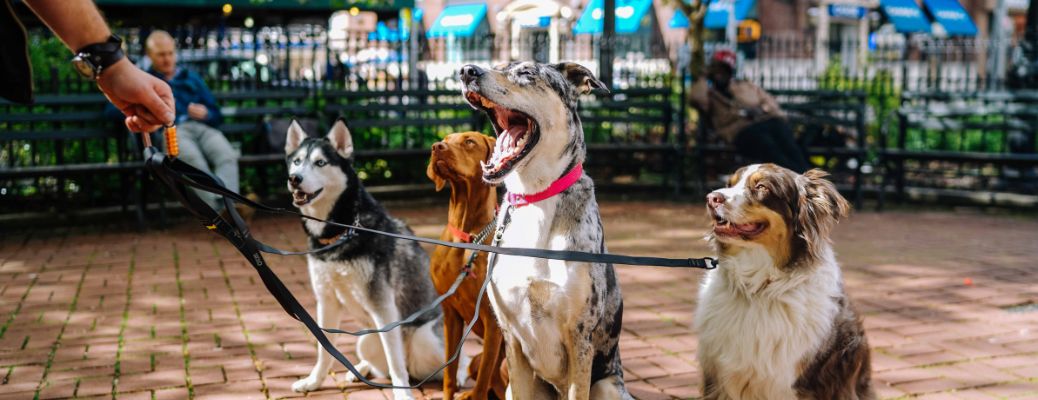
(400, 97)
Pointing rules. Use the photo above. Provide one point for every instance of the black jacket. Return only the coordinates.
(15, 70)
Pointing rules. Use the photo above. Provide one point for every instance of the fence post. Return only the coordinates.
(682, 138)
(605, 43)
(901, 140)
(859, 121)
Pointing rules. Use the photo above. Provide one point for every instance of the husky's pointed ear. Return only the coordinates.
(581, 78)
(294, 137)
(341, 139)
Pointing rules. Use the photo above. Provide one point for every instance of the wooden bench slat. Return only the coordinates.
(262, 95)
(81, 133)
(398, 107)
(960, 156)
(409, 122)
(241, 112)
(65, 116)
(68, 169)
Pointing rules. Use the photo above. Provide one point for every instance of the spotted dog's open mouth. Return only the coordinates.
(517, 133)
(724, 227)
(301, 198)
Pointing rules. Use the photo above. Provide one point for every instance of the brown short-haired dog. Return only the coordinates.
(456, 160)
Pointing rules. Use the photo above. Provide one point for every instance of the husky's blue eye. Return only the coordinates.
(297, 162)
(321, 163)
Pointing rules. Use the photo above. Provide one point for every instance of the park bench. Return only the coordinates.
(63, 150)
(829, 124)
(978, 147)
(394, 130)
(400, 126)
(630, 138)
(64, 153)
(248, 116)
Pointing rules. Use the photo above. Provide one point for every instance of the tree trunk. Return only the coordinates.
(695, 43)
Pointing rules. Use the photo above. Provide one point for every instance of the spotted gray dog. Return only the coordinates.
(561, 320)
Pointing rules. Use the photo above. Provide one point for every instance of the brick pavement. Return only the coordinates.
(178, 314)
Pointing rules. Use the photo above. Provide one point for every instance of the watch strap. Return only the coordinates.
(103, 55)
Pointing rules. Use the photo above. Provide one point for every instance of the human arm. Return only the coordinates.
(146, 101)
(768, 103)
(698, 95)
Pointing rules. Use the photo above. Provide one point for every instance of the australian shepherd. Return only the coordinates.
(774, 321)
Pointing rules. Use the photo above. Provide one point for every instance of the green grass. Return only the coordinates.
(245, 330)
(184, 337)
(57, 341)
(117, 369)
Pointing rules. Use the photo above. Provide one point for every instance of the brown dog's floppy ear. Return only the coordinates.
(821, 207)
(491, 142)
(581, 78)
(431, 173)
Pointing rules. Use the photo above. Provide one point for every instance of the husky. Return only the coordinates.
(561, 320)
(377, 278)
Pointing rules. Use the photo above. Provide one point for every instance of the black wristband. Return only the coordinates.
(92, 59)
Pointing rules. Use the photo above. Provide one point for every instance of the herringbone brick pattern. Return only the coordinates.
(178, 314)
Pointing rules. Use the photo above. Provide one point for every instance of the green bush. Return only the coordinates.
(882, 97)
(50, 66)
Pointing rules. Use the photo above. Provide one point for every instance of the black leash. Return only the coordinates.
(178, 176)
(203, 181)
(174, 173)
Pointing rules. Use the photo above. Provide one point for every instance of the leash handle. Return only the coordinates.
(172, 147)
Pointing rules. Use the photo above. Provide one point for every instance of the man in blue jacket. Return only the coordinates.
(201, 144)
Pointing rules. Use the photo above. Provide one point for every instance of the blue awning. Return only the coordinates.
(906, 15)
(717, 12)
(383, 33)
(459, 20)
(951, 15)
(679, 20)
(629, 14)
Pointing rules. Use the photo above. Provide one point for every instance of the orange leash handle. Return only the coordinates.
(172, 148)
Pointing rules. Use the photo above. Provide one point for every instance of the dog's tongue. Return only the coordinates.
(746, 227)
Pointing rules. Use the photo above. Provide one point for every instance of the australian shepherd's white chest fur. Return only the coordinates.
(773, 319)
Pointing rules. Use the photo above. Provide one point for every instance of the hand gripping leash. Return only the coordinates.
(179, 177)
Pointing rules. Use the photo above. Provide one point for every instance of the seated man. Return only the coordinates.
(201, 144)
(745, 115)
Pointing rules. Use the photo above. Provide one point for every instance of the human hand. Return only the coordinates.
(197, 111)
(753, 112)
(146, 101)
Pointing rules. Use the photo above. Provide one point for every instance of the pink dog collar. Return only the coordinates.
(520, 200)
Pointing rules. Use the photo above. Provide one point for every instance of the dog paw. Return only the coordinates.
(363, 367)
(402, 394)
(307, 384)
(469, 395)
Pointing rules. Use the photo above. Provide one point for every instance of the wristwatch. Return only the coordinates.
(93, 59)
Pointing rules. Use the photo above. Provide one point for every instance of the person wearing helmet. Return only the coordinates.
(745, 115)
